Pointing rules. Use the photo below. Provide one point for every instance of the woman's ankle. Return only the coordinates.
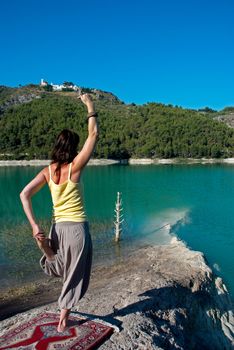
(64, 314)
(49, 253)
(47, 250)
(50, 257)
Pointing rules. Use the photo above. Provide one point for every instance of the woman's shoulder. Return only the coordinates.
(76, 170)
(45, 172)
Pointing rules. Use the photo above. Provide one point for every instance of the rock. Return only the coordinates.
(162, 297)
(227, 119)
(17, 100)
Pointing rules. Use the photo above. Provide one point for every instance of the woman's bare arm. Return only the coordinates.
(85, 154)
(33, 187)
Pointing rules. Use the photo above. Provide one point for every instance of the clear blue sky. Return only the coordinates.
(171, 51)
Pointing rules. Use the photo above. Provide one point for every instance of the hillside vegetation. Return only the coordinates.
(30, 119)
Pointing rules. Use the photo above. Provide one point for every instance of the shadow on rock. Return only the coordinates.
(197, 320)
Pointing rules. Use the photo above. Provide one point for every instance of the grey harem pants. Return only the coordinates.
(72, 244)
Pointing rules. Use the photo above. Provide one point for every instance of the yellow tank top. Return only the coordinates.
(67, 200)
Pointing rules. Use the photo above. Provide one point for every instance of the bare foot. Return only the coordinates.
(62, 326)
(44, 245)
(63, 320)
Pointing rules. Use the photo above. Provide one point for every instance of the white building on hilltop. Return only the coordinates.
(43, 83)
(57, 87)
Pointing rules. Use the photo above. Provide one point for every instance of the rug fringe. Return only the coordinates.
(97, 319)
(116, 328)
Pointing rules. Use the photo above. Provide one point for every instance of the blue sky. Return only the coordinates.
(170, 51)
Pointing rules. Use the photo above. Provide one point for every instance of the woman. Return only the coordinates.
(67, 253)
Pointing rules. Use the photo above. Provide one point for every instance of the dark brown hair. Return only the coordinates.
(65, 148)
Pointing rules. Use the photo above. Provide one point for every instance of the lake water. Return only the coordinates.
(194, 202)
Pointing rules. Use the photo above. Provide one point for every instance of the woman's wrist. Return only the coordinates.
(90, 107)
(92, 114)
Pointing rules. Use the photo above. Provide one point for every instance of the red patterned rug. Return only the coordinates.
(40, 333)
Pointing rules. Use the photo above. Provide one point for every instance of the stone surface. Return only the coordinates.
(161, 297)
(18, 99)
(227, 119)
(45, 162)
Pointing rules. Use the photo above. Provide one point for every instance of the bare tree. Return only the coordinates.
(118, 217)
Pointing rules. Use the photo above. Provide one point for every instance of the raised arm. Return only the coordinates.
(85, 154)
(34, 186)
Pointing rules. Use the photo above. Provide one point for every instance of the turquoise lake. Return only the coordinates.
(193, 202)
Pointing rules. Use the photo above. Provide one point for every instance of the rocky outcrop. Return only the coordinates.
(161, 297)
(227, 119)
(17, 99)
(105, 96)
(169, 300)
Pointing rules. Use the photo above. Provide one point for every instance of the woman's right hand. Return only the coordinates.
(87, 100)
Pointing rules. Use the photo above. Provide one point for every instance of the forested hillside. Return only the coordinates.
(29, 124)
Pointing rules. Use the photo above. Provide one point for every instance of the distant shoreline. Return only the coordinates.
(45, 162)
(156, 161)
(131, 161)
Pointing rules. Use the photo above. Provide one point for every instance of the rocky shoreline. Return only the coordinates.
(158, 161)
(131, 161)
(161, 297)
(45, 162)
